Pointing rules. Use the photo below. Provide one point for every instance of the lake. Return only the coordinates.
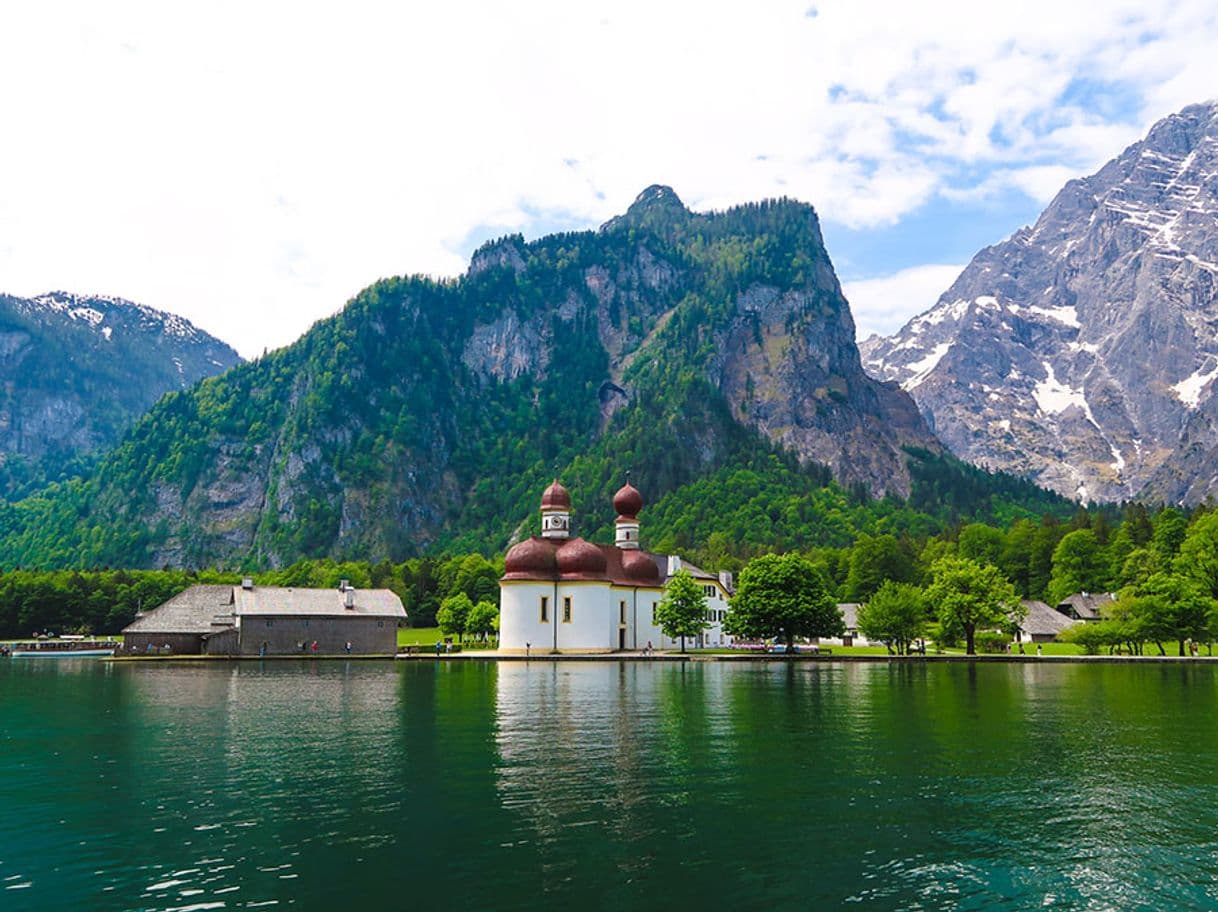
(606, 785)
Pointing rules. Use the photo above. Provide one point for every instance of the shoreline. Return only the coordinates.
(489, 656)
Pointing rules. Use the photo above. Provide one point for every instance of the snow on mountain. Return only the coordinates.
(1082, 351)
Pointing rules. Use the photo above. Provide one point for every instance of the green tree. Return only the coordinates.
(1078, 566)
(981, 543)
(874, 559)
(967, 595)
(1198, 557)
(785, 597)
(1173, 607)
(1170, 528)
(895, 615)
(681, 612)
(483, 620)
(454, 614)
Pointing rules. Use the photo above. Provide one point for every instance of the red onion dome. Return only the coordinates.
(640, 567)
(533, 556)
(580, 557)
(556, 497)
(628, 501)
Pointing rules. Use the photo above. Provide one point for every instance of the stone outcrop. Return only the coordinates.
(1081, 352)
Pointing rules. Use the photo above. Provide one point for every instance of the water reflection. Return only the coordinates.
(319, 785)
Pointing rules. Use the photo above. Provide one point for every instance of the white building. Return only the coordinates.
(562, 594)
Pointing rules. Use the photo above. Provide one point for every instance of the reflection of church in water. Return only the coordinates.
(563, 594)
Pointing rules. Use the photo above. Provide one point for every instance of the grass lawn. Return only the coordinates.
(427, 636)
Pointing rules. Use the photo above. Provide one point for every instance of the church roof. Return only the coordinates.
(576, 559)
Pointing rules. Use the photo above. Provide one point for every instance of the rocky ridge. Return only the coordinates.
(668, 341)
(77, 370)
(1082, 351)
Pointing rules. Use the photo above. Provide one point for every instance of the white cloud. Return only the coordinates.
(883, 305)
(252, 165)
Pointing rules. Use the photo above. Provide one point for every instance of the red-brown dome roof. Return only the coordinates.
(580, 557)
(532, 557)
(628, 501)
(638, 566)
(556, 497)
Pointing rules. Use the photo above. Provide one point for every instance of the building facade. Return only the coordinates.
(270, 620)
(562, 594)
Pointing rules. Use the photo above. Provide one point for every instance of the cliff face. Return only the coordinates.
(1081, 352)
(667, 342)
(76, 372)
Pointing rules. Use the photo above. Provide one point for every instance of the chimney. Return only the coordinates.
(674, 564)
(247, 583)
(343, 585)
(348, 597)
(726, 580)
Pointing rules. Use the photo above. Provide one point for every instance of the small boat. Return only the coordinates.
(62, 649)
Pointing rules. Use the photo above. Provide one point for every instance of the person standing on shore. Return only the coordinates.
(527, 647)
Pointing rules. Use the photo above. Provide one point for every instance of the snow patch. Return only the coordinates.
(921, 369)
(107, 332)
(1189, 389)
(1067, 315)
(1054, 397)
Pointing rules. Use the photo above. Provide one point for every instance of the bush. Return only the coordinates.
(991, 641)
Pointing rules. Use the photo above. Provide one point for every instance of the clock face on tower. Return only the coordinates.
(558, 522)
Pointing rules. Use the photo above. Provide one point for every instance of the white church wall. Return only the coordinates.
(588, 628)
(520, 620)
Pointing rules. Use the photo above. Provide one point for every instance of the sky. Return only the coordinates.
(252, 165)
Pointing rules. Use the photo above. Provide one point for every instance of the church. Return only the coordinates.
(562, 594)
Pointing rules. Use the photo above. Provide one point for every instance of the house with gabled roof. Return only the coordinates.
(269, 620)
(1085, 606)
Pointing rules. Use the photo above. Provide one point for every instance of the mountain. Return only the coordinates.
(77, 371)
(1081, 352)
(430, 414)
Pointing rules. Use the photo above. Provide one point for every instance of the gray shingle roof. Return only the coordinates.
(1043, 620)
(200, 609)
(274, 600)
(208, 609)
(1086, 605)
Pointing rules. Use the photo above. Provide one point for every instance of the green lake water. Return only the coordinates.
(471, 785)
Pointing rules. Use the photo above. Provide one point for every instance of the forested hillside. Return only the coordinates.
(428, 414)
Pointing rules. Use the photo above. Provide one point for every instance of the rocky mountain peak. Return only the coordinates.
(1077, 351)
(504, 251)
(657, 208)
(78, 370)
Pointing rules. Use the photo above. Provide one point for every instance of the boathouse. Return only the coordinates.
(275, 620)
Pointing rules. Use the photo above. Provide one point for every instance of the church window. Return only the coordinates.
(653, 614)
(545, 609)
(621, 612)
(566, 609)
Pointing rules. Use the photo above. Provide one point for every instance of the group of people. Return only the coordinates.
(304, 647)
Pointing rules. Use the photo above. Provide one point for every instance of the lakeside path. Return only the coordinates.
(492, 656)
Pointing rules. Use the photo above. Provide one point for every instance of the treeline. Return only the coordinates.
(105, 601)
(1135, 551)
